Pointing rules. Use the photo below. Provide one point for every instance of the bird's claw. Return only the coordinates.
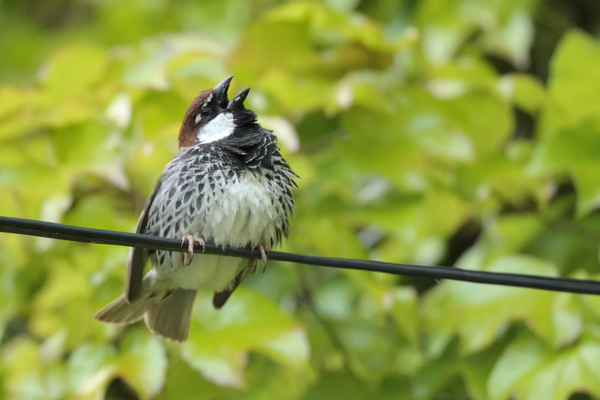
(191, 240)
(263, 255)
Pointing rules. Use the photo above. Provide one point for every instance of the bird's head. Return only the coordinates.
(212, 116)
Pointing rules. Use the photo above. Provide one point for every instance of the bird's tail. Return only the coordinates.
(167, 313)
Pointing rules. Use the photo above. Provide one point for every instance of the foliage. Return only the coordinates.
(460, 133)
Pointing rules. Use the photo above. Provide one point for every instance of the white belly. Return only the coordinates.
(206, 271)
(239, 213)
(235, 213)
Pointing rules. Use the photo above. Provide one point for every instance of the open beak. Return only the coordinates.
(238, 101)
(221, 92)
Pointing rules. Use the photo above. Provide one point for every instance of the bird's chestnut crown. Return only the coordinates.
(211, 116)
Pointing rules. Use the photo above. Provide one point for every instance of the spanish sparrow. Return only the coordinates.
(228, 185)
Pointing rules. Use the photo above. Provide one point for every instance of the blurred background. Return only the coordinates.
(462, 133)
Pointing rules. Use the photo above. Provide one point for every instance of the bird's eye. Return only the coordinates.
(205, 112)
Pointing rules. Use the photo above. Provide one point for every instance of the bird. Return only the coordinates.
(229, 185)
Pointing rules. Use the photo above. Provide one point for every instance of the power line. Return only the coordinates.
(101, 236)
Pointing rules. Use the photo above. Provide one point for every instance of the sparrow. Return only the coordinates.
(229, 185)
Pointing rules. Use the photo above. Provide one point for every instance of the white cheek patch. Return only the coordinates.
(218, 128)
(198, 118)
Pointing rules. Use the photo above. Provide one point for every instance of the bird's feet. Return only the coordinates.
(263, 255)
(191, 240)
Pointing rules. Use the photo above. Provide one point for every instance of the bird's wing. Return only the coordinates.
(138, 257)
(220, 298)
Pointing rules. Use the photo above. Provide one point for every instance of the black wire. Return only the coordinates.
(100, 236)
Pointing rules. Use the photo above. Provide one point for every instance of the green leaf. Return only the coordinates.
(340, 385)
(283, 383)
(220, 340)
(509, 234)
(253, 57)
(573, 88)
(533, 372)
(567, 319)
(404, 312)
(142, 362)
(574, 149)
(481, 312)
(505, 27)
(90, 369)
(11, 100)
(185, 383)
(519, 358)
(385, 153)
(296, 94)
(73, 70)
(513, 39)
(526, 91)
(21, 367)
(476, 368)
(433, 376)
(53, 309)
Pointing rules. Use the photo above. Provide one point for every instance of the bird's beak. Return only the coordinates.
(238, 101)
(221, 91)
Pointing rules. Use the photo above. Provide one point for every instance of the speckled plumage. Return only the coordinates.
(233, 189)
(211, 192)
